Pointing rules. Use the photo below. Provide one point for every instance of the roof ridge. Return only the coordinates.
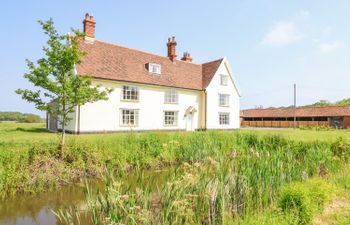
(142, 51)
(299, 107)
(216, 60)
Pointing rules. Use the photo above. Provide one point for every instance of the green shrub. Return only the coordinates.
(295, 200)
(341, 148)
(20, 117)
(319, 192)
(318, 128)
(305, 199)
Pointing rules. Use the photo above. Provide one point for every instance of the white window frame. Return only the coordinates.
(224, 118)
(154, 68)
(130, 93)
(223, 80)
(171, 97)
(171, 118)
(224, 100)
(125, 120)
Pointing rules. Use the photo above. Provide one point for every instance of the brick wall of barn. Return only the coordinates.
(347, 122)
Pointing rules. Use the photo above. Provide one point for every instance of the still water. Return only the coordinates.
(37, 209)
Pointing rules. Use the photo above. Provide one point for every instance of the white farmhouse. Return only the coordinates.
(152, 92)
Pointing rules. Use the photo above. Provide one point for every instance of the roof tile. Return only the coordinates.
(208, 71)
(113, 62)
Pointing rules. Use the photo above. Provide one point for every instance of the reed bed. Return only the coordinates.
(225, 177)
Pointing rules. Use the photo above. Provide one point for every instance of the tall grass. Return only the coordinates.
(32, 166)
(227, 177)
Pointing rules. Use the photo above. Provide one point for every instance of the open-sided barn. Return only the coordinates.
(333, 116)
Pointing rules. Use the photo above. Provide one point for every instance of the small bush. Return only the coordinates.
(341, 148)
(318, 128)
(295, 200)
(319, 192)
(305, 199)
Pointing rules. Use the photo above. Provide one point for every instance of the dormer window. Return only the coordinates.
(154, 68)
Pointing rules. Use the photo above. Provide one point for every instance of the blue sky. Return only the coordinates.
(271, 44)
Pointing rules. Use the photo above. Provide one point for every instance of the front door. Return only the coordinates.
(189, 122)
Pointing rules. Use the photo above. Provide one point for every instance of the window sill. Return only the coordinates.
(154, 74)
(171, 103)
(126, 100)
(224, 106)
(122, 125)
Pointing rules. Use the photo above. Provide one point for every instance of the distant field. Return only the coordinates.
(33, 132)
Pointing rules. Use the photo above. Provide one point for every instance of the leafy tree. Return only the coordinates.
(20, 117)
(322, 103)
(59, 90)
(343, 102)
(30, 118)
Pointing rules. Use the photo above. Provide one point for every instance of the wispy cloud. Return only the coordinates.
(325, 43)
(286, 32)
(332, 46)
(281, 34)
(302, 14)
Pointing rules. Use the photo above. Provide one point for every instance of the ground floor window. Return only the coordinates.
(170, 118)
(224, 118)
(129, 117)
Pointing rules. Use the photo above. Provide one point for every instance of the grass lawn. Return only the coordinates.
(27, 132)
(303, 135)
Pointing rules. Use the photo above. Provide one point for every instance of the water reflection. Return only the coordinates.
(28, 209)
(36, 209)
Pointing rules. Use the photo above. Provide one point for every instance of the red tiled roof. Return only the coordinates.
(113, 62)
(208, 71)
(300, 112)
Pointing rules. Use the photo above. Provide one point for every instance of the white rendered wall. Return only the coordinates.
(72, 124)
(104, 116)
(213, 91)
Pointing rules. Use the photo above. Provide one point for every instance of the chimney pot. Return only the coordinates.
(186, 57)
(89, 27)
(172, 48)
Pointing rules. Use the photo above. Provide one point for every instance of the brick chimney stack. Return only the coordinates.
(186, 57)
(172, 48)
(89, 27)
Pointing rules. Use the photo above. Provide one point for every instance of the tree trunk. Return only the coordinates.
(63, 135)
(63, 130)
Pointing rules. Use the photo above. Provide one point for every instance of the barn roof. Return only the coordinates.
(300, 112)
(113, 62)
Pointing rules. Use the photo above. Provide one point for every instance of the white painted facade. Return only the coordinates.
(212, 92)
(195, 109)
(106, 115)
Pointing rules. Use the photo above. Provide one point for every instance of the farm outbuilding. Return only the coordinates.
(330, 116)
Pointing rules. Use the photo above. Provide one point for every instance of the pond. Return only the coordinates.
(37, 209)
